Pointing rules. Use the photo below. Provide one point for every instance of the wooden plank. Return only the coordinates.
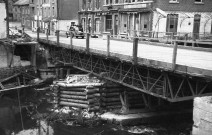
(15, 88)
(79, 101)
(2, 87)
(8, 78)
(78, 84)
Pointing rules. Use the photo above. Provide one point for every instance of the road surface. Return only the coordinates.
(186, 57)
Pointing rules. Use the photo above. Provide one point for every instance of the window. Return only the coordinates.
(97, 25)
(198, 1)
(172, 22)
(108, 22)
(196, 26)
(33, 10)
(53, 11)
(83, 4)
(108, 2)
(136, 1)
(83, 23)
(116, 1)
(49, 11)
(97, 4)
(173, 1)
(89, 4)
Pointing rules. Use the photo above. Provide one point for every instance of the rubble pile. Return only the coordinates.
(20, 36)
(79, 91)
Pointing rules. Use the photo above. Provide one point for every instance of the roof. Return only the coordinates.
(21, 3)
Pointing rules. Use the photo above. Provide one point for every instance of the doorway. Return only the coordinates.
(196, 26)
(116, 25)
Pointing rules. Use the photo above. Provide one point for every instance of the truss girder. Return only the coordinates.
(167, 85)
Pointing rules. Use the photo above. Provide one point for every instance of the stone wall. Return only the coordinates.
(202, 116)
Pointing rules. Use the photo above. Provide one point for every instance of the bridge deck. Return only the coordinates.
(199, 60)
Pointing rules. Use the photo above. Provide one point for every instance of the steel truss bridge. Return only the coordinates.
(170, 85)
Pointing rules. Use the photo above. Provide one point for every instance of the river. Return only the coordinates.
(36, 109)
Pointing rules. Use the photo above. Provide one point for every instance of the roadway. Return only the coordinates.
(187, 57)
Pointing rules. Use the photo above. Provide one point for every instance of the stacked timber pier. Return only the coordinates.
(119, 97)
(82, 91)
(78, 91)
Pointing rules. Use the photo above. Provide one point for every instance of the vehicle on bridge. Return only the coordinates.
(76, 30)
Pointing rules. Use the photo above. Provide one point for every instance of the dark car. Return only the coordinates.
(76, 30)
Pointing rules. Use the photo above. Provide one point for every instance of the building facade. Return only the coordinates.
(22, 13)
(147, 17)
(115, 16)
(90, 15)
(180, 17)
(10, 6)
(52, 15)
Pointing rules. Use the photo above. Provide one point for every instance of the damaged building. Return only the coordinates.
(17, 55)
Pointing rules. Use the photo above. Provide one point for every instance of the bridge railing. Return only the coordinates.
(108, 41)
(184, 38)
(133, 47)
(203, 40)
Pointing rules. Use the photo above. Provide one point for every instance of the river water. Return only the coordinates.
(32, 117)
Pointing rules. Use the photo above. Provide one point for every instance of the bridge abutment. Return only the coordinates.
(202, 116)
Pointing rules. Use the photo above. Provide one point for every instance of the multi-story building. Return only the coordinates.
(115, 16)
(139, 17)
(90, 15)
(54, 14)
(21, 13)
(10, 8)
(191, 17)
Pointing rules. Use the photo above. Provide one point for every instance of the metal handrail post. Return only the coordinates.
(71, 40)
(135, 50)
(87, 42)
(38, 33)
(174, 56)
(58, 37)
(108, 45)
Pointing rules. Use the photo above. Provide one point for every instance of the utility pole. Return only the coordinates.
(58, 15)
(7, 17)
(38, 26)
